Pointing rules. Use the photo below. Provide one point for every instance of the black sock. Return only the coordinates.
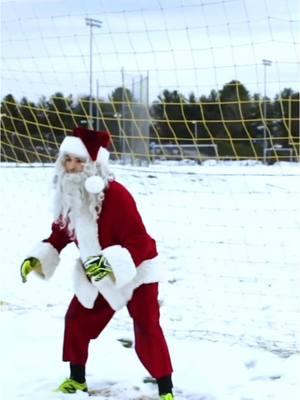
(77, 372)
(165, 385)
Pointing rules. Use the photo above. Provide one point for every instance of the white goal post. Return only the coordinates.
(274, 154)
(195, 152)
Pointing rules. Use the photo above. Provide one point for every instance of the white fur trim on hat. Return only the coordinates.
(74, 145)
(48, 257)
(103, 155)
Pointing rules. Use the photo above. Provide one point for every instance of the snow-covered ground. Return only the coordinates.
(228, 236)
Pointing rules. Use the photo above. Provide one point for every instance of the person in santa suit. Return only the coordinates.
(118, 264)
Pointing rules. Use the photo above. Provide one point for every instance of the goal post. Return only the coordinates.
(197, 152)
(275, 154)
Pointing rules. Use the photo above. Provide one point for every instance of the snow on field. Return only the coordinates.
(228, 236)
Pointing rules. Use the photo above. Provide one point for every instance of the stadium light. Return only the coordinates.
(92, 23)
(266, 63)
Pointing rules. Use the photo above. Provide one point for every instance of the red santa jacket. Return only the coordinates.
(120, 235)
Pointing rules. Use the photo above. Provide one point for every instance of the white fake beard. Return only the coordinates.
(71, 199)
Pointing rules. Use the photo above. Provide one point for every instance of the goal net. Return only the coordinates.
(202, 102)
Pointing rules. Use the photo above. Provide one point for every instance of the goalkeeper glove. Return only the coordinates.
(97, 268)
(29, 264)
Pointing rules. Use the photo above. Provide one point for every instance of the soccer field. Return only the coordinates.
(228, 236)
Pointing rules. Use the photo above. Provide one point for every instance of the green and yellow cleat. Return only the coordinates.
(167, 396)
(72, 386)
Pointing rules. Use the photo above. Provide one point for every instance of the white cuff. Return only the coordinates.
(48, 257)
(121, 263)
(116, 297)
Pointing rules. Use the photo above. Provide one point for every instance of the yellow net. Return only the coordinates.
(170, 80)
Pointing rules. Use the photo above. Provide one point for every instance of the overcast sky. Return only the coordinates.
(187, 45)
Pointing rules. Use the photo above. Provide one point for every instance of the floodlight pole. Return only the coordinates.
(266, 63)
(92, 23)
(123, 115)
(97, 109)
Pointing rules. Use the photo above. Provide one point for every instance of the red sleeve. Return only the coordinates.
(127, 228)
(59, 237)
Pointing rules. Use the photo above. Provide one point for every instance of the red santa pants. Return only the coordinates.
(83, 324)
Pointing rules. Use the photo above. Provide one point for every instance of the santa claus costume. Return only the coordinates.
(99, 214)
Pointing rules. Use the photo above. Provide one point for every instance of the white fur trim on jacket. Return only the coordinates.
(48, 256)
(87, 235)
(121, 263)
(147, 272)
(84, 290)
(87, 292)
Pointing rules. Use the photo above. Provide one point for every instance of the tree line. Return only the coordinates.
(240, 124)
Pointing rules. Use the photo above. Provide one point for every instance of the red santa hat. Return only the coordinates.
(92, 146)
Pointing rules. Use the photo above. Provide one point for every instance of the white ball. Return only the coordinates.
(94, 184)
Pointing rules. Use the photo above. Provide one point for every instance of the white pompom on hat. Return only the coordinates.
(94, 184)
(90, 145)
